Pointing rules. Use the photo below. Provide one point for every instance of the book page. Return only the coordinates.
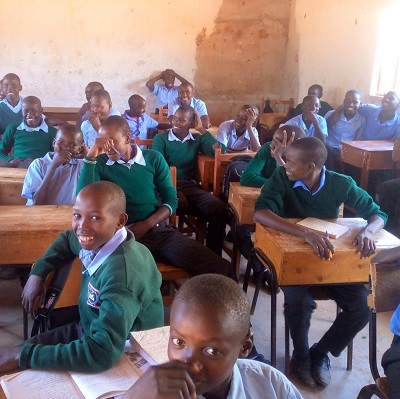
(36, 384)
(334, 230)
(109, 383)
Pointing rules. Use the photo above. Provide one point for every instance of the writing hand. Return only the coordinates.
(320, 245)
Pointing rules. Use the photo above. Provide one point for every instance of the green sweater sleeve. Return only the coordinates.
(207, 140)
(7, 142)
(89, 174)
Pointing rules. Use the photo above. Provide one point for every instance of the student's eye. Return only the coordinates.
(76, 215)
(95, 217)
(211, 351)
(178, 342)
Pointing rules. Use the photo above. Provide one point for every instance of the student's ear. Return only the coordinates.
(53, 143)
(110, 103)
(128, 138)
(123, 218)
(247, 345)
(311, 166)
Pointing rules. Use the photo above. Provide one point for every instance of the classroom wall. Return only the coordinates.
(332, 43)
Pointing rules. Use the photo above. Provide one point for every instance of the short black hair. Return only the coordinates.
(353, 91)
(118, 121)
(298, 131)
(220, 293)
(71, 129)
(32, 99)
(103, 94)
(311, 149)
(97, 84)
(309, 97)
(188, 84)
(12, 76)
(316, 86)
(187, 108)
(134, 97)
(115, 195)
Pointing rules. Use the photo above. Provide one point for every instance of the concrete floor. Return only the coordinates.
(344, 385)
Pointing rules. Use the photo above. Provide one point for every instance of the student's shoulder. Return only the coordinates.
(226, 125)
(161, 137)
(338, 180)
(52, 130)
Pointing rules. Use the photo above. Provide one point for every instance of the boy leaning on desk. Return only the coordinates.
(304, 188)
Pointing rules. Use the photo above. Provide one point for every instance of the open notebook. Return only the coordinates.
(319, 226)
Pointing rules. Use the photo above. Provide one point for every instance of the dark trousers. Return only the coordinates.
(389, 194)
(299, 305)
(333, 160)
(209, 208)
(168, 245)
(391, 365)
(244, 242)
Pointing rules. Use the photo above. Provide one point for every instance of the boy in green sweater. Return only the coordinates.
(30, 139)
(120, 289)
(303, 188)
(181, 148)
(11, 102)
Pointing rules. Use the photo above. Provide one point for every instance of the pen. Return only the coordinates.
(119, 153)
(330, 252)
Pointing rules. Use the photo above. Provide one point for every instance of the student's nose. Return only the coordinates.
(192, 360)
(84, 223)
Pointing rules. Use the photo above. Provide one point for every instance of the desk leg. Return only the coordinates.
(372, 345)
(364, 173)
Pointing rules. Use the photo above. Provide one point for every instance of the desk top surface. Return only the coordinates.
(370, 145)
(61, 110)
(21, 219)
(12, 173)
(245, 192)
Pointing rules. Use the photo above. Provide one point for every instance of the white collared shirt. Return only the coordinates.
(172, 137)
(43, 126)
(15, 109)
(105, 251)
(138, 158)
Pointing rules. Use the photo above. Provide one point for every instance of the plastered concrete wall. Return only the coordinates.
(332, 43)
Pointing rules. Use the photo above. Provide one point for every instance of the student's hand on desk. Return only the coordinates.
(14, 163)
(33, 294)
(9, 359)
(365, 244)
(61, 158)
(100, 145)
(320, 245)
(139, 229)
(167, 381)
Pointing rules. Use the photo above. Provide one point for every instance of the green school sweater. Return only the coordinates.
(279, 196)
(140, 183)
(25, 144)
(121, 296)
(260, 168)
(184, 155)
(7, 116)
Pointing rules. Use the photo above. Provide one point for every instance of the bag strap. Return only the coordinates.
(52, 295)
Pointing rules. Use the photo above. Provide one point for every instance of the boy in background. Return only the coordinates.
(210, 331)
(2, 95)
(304, 188)
(120, 289)
(344, 124)
(240, 133)
(30, 139)
(11, 104)
(313, 124)
(186, 97)
(315, 90)
(138, 120)
(166, 92)
(53, 179)
(100, 106)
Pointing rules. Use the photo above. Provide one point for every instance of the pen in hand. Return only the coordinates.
(330, 252)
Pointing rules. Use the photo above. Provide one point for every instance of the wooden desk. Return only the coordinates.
(296, 264)
(213, 130)
(11, 182)
(205, 170)
(67, 114)
(27, 231)
(367, 155)
(271, 119)
(242, 200)
(161, 117)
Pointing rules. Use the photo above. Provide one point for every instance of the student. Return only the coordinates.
(209, 333)
(53, 179)
(303, 188)
(166, 92)
(344, 124)
(313, 124)
(30, 139)
(186, 97)
(100, 106)
(11, 104)
(315, 90)
(181, 148)
(260, 169)
(151, 198)
(391, 358)
(240, 133)
(84, 112)
(2, 94)
(120, 289)
(138, 120)
(382, 123)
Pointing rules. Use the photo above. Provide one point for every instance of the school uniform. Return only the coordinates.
(374, 129)
(256, 380)
(26, 142)
(9, 114)
(85, 116)
(195, 103)
(142, 178)
(290, 199)
(120, 292)
(164, 95)
(183, 154)
(309, 131)
(64, 180)
(138, 125)
(228, 137)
